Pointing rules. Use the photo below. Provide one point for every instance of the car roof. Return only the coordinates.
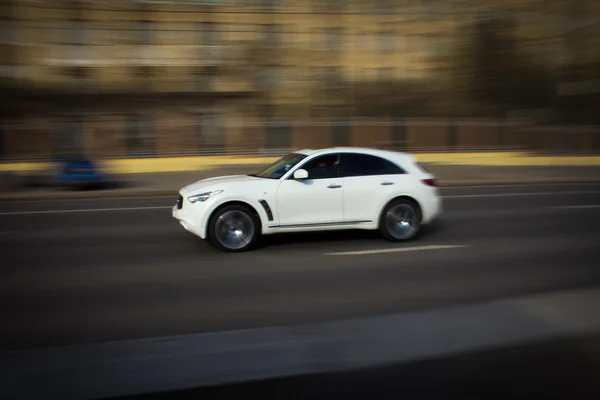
(306, 152)
(362, 150)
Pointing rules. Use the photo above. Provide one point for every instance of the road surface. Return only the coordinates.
(82, 271)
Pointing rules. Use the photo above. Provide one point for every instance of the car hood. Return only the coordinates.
(212, 183)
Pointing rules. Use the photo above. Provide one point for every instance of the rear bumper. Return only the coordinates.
(433, 209)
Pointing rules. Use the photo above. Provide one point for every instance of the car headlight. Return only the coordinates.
(202, 197)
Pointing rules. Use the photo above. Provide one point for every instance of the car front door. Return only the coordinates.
(368, 181)
(313, 201)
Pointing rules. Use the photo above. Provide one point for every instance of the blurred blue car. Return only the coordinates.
(81, 173)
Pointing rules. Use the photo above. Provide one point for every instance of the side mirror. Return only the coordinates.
(301, 174)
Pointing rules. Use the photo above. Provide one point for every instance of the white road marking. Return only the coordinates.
(458, 196)
(579, 207)
(205, 359)
(84, 210)
(519, 185)
(82, 199)
(394, 250)
(475, 196)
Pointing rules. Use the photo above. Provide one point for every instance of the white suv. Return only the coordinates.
(312, 190)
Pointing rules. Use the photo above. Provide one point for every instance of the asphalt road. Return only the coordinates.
(95, 270)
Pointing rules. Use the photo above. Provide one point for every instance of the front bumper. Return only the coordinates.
(190, 218)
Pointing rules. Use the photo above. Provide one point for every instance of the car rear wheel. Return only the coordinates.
(400, 220)
(233, 228)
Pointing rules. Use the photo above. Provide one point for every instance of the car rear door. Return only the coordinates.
(369, 182)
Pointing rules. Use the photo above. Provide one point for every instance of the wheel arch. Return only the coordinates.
(234, 203)
(407, 197)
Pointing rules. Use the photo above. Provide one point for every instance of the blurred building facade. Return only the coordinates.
(125, 77)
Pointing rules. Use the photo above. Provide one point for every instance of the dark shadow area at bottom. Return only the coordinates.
(561, 368)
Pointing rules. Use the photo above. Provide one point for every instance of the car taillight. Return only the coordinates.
(429, 182)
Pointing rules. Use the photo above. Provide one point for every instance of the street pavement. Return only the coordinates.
(93, 270)
(77, 272)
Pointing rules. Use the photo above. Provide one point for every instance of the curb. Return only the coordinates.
(197, 163)
(118, 193)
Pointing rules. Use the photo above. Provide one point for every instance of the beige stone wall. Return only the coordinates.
(245, 134)
(300, 24)
(112, 25)
(307, 136)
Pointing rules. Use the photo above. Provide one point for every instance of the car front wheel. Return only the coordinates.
(234, 228)
(400, 220)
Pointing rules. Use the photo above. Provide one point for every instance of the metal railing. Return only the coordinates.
(35, 142)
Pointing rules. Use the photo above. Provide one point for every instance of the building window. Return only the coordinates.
(360, 41)
(199, 133)
(213, 133)
(268, 4)
(317, 74)
(278, 136)
(202, 82)
(145, 30)
(341, 134)
(81, 74)
(330, 6)
(370, 41)
(267, 77)
(333, 39)
(2, 154)
(270, 35)
(139, 135)
(7, 30)
(386, 42)
(207, 33)
(76, 32)
(401, 42)
(386, 74)
(144, 71)
(384, 6)
(333, 74)
(67, 136)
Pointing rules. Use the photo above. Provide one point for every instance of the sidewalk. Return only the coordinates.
(196, 163)
(561, 368)
(169, 183)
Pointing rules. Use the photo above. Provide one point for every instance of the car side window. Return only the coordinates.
(323, 167)
(367, 165)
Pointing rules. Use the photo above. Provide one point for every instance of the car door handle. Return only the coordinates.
(334, 186)
(387, 183)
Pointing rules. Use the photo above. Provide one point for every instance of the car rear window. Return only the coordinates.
(355, 164)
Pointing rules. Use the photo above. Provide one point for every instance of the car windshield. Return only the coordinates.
(281, 166)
